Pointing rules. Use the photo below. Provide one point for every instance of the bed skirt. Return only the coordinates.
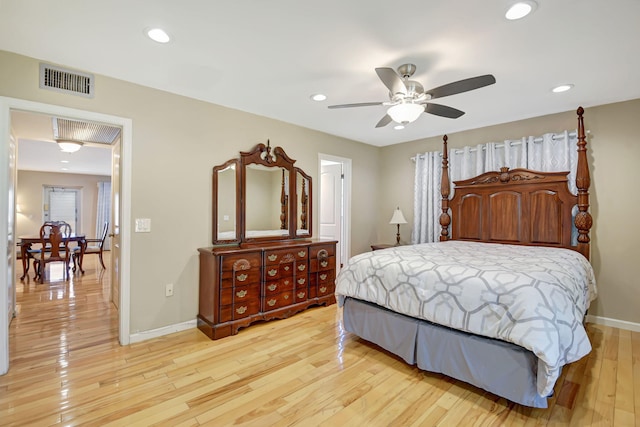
(501, 368)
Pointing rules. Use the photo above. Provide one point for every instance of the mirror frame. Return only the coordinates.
(263, 155)
(214, 190)
(309, 204)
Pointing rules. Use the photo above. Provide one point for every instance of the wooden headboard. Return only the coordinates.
(519, 206)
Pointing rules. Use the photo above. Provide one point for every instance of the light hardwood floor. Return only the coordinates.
(67, 368)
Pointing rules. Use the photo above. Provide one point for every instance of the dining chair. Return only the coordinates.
(92, 246)
(55, 248)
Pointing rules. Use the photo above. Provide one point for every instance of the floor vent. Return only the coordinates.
(66, 81)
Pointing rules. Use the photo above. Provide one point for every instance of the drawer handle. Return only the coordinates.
(300, 295)
(301, 281)
(286, 268)
(302, 253)
(242, 277)
(323, 289)
(322, 253)
(323, 277)
(272, 257)
(301, 267)
(324, 263)
(241, 310)
(272, 272)
(286, 282)
(272, 287)
(271, 302)
(286, 296)
(242, 293)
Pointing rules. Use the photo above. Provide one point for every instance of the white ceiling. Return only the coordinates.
(38, 151)
(268, 57)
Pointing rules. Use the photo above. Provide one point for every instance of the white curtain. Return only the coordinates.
(104, 210)
(426, 198)
(547, 153)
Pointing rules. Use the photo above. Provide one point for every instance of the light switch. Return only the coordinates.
(143, 225)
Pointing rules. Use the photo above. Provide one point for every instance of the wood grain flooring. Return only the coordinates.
(67, 368)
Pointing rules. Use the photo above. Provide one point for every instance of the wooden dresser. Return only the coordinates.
(242, 284)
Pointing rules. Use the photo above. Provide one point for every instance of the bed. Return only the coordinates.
(500, 301)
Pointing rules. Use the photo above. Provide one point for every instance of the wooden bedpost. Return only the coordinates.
(445, 219)
(583, 218)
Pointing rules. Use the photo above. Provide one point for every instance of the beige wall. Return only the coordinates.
(29, 198)
(614, 153)
(176, 143)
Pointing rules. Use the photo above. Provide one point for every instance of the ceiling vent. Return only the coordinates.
(66, 81)
(76, 130)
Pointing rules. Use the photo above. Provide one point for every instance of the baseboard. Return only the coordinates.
(620, 324)
(165, 330)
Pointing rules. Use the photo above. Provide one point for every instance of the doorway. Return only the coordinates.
(335, 204)
(7, 188)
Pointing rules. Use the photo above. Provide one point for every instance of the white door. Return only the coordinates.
(11, 240)
(115, 224)
(332, 206)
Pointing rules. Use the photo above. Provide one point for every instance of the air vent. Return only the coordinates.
(76, 130)
(66, 81)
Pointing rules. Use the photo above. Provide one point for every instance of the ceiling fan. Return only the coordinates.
(408, 99)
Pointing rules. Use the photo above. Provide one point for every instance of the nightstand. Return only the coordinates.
(382, 246)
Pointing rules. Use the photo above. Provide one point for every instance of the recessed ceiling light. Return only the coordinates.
(64, 161)
(64, 169)
(318, 97)
(562, 88)
(158, 35)
(520, 9)
(398, 127)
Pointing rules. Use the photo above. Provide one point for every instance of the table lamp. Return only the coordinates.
(398, 218)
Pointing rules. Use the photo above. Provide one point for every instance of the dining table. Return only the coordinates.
(26, 243)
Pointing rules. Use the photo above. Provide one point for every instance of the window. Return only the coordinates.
(62, 204)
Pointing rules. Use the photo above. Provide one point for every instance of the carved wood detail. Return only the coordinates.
(519, 205)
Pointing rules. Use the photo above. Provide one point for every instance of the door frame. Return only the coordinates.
(345, 202)
(6, 106)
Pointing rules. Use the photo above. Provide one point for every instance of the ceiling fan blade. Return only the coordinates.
(391, 80)
(443, 111)
(362, 104)
(384, 121)
(462, 86)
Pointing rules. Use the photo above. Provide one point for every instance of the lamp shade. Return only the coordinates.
(69, 146)
(398, 217)
(405, 112)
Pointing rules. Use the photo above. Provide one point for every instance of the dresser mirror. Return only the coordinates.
(226, 202)
(261, 197)
(266, 201)
(303, 191)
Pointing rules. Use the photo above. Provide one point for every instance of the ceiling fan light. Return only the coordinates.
(519, 10)
(405, 113)
(69, 146)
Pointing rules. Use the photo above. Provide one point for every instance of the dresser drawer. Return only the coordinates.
(274, 287)
(240, 294)
(325, 289)
(240, 278)
(237, 262)
(276, 271)
(319, 264)
(239, 310)
(322, 251)
(286, 255)
(322, 277)
(271, 302)
(301, 294)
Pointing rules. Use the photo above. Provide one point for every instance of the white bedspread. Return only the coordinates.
(535, 297)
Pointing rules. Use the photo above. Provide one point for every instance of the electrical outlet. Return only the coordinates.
(168, 290)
